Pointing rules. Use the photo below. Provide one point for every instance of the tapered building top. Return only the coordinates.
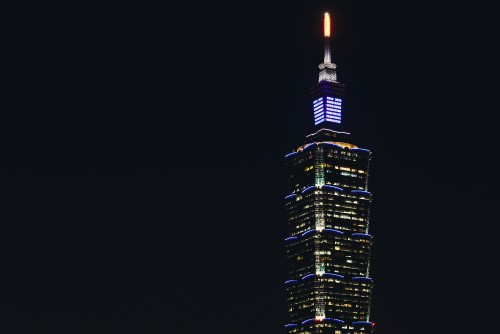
(328, 93)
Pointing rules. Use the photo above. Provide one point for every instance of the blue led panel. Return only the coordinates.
(327, 109)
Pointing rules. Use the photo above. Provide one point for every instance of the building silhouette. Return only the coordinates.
(328, 288)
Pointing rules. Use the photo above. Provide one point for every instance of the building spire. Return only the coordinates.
(326, 33)
(327, 68)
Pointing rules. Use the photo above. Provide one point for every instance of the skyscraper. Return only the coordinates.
(328, 289)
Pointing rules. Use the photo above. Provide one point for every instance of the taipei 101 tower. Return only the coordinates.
(328, 245)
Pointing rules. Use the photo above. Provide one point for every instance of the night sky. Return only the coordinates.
(142, 175)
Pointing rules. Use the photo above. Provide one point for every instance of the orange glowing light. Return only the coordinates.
(326, 25)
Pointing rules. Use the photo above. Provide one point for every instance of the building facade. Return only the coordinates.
(328, 288)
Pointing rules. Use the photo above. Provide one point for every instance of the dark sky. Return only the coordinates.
(142, 161)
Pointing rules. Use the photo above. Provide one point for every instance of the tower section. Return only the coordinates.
(328, 245)
(328, 94)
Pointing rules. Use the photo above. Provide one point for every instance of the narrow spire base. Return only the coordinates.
(327, 72)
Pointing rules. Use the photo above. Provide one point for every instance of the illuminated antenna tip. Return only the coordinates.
(327, 25)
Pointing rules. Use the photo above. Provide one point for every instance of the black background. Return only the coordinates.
(142, 170)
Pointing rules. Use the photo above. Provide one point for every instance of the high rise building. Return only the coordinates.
(328, 288)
